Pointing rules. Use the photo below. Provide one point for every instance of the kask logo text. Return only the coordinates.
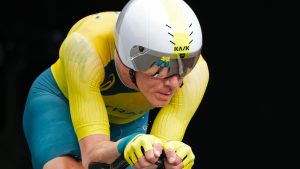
(181, 48)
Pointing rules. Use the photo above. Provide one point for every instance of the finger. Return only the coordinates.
(173, 165)
(186, 154)
(149, 141)
(183, 151)
(154, 154)
(149, 155)
(169, 145)
(171, 155)
(138, 151)
(143, 162)
(158, 148)
(133, 157)
(137, 165)
(129, 161)
(128, 158)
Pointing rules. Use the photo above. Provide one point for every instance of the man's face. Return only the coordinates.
(158, 90)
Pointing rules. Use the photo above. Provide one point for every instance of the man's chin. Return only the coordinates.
(160, 103)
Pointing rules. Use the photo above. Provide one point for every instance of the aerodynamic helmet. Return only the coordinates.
(149, 30)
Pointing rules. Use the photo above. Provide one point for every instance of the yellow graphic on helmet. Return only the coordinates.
(181, 45)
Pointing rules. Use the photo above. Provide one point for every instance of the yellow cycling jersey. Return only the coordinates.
(85, 73)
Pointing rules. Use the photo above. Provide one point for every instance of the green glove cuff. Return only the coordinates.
(122, 144)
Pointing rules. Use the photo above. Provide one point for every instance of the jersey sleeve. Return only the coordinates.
(84, 72)
(172, 120)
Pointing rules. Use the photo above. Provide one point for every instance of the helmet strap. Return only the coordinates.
(132, 76)
(181, 85)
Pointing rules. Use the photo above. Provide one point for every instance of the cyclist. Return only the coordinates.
(93, 103)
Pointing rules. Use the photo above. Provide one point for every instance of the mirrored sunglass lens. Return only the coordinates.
(143, 59)
(183, 66)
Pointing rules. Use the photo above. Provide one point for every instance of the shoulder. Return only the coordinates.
(96, 23)
(199, 76)
(201, 60)
(201, 67)
(97, 31)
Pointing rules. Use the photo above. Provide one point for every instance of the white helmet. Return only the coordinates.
(148, 30)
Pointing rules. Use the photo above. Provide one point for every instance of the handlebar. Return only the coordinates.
(121, 163)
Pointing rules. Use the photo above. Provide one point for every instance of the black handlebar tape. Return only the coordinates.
(121, 163)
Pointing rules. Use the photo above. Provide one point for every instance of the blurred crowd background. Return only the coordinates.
(247, 117)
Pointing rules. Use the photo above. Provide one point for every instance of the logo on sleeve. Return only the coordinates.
(108, 83)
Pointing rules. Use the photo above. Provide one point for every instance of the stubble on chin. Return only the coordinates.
(160, 103)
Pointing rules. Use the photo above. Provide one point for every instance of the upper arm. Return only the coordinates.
(84, 72)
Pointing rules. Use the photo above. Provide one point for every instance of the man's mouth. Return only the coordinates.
(164, 95)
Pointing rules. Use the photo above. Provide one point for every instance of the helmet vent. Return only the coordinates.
(191, 33)
(170, 34)
(141, 48)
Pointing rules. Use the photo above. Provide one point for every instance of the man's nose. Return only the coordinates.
(173, 81)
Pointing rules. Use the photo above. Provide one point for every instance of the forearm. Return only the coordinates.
(98, 148)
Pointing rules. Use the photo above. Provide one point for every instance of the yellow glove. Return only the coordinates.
(182, 150)
(133, 150)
